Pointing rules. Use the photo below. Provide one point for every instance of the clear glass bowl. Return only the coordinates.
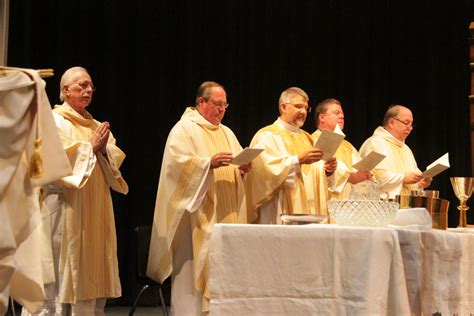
(362, 212)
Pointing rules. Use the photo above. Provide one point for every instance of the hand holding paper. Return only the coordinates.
(369, 162)
(329, 142)
(437, 167)
(246, 156)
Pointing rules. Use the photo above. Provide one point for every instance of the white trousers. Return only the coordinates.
(89, 307)
(186, 300)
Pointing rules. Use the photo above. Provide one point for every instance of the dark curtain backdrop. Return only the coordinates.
(147, 59)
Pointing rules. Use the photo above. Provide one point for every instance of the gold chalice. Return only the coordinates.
(462, 187)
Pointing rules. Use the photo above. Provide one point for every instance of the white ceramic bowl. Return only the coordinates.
(362, 212)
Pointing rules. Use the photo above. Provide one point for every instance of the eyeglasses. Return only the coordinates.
(85, 84)
(219, 105)
(300, 107)
(407, 124)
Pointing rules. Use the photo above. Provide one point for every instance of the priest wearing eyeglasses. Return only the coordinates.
(288, 177)
(198, 188)
(84, 247)
(398, 172)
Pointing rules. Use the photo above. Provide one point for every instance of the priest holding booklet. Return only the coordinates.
(288, 177)
(398, 173)
(330, 116)
(198, 188)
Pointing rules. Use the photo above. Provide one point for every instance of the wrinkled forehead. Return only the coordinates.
(405, 114)
(217, 93)
(81, 76)
(333, 108)
(77, 76)
(297, 99)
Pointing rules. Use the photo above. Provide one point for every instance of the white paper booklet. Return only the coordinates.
(369, 162)
(246, 156)
(438, 166)
(329, 142)
(338, 130)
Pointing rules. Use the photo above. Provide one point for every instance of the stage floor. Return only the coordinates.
(140, 311)
(118, 311)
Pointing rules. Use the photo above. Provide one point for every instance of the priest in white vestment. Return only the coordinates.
(87, 265)
(398, 172)
(198, 188)
(288, 177)
(328, 114)
(31, 155)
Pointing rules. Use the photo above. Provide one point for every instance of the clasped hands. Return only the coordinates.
(99, 138)
(223, 159)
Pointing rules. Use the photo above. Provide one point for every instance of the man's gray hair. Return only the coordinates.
(286, 95)
(393, 111)
(205, 90)
(68, 77)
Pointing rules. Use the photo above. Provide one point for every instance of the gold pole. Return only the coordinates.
(43, 73)
(4, 22)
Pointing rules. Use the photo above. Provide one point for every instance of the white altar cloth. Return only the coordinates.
(311, 269)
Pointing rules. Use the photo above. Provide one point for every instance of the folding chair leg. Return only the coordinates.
(163, 303)
(136, 300)
(12, 305)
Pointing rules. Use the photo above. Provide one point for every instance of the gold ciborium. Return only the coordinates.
(462, 187)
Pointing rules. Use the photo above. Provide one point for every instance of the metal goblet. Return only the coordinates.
(462, 187)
